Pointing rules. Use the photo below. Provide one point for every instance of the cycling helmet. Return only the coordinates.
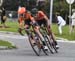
(21, 10)
(34, 11)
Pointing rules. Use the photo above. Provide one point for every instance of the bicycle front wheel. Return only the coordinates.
(35, 47)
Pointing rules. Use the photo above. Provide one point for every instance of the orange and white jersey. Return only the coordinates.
(21, 10)
(27, 16)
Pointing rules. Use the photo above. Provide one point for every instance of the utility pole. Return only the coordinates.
(1, 1)
(51, 10)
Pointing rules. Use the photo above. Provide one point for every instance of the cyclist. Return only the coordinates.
(41, 18)
(26, 16)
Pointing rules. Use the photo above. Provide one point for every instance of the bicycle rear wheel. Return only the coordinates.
(52, 44)
(47, 44)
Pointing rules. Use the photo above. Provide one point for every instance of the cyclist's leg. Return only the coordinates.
(37, 28)
(51, 34)
(20, 26)
(54, 40)
(27, 26)
(38, 32)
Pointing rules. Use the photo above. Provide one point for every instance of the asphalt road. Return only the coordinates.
(24, 51)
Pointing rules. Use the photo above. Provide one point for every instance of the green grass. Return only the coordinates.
(13, 27)
(65, 34)
(6, 43)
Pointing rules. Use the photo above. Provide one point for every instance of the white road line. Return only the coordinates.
(66, 41)
(23, 37)
(14, 36)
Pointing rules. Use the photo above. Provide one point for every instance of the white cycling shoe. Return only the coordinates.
(57, 46)
(46, 48)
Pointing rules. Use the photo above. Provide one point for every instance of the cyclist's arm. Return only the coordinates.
(45, 17)
(32, 19)
(20, 20)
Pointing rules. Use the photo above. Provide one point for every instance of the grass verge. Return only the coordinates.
(6, 44)
(65, 34)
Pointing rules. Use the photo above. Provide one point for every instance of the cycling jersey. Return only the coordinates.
(28, 16)
(41, 18)
(25, 17)
(21, 10)
(42, 22)
(40, 15)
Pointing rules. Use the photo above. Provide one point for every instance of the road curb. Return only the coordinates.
(6, 32)
(13, 33)
(3, 47)
(6, 48)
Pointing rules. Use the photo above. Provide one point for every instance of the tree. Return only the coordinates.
(62, 7)
(10, 4)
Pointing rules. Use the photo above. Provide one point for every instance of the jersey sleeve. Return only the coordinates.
(20, 19)
(31, 18)
(41, 13)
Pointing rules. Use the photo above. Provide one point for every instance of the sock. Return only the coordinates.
(44, 43)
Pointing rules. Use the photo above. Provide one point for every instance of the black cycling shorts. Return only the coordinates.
(28, 22)
(42, 22)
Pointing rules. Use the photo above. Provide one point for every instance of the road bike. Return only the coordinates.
(38, 46)
(48, 40)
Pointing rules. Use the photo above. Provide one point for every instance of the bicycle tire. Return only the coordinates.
(45, 52)
(44, 33)
(52, 44)
(36, 52)
(47, 43)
